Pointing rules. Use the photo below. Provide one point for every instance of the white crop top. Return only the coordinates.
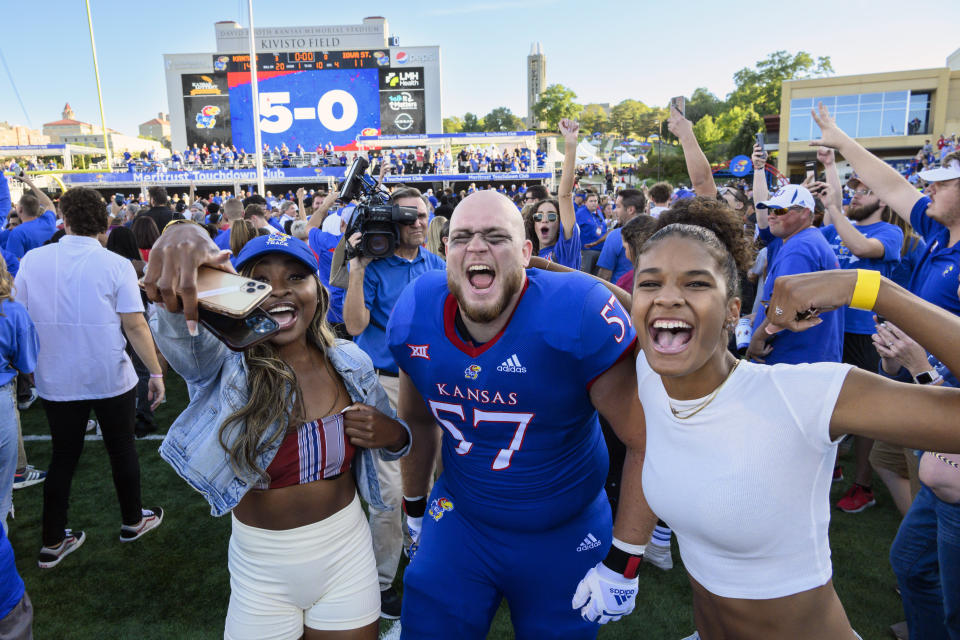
(745, 483)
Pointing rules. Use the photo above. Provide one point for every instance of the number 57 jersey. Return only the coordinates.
(522, 447)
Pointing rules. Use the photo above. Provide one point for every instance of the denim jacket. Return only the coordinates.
(216, 380)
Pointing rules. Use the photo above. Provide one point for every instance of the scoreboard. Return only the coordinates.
(304, 61)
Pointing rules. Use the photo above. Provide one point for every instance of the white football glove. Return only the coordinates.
(604, 595)
(414, 527)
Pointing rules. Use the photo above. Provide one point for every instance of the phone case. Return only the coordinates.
(239, 334)
(229, 294)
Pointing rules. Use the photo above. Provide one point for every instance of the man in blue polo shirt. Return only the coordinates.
(593, 226)
(797, 247)
(613, 261)
(373, 289)
(39, 221)
(929, 587)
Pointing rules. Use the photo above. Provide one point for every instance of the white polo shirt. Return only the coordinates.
(74, 291)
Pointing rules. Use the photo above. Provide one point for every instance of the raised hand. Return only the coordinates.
(569, 129)
(830, 134)
(171, 274)
(678, 125)
(759, 157)
(826, 156)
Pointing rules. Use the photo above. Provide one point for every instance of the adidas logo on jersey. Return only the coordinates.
(590, 542)
(512, 365)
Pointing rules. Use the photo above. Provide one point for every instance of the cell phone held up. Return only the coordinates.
(239, 334)
(680, 104)
(761, 142)
(811, 169)
(228, 306)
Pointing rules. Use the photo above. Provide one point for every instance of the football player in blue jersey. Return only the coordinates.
(514, 364)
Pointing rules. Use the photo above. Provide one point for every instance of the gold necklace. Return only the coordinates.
(692, 411)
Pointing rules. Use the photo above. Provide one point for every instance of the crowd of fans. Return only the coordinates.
(95, 251)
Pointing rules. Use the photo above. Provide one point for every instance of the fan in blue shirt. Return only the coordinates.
(39, 221)
(593, 226)
(514, 365)
(798, 247)
(554, 220)
(613, 262)
(870, 244)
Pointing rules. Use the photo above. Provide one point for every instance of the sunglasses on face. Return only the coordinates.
(551, 217)
(862, 192)
(782, 212)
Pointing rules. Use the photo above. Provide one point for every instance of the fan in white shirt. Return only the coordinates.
(728, 441)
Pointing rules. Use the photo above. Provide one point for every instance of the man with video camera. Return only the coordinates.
(373, 289)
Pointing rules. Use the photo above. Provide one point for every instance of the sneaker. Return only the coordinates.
(93, 425)
(23, 405)
(28, 477)
(658, 556)
(390, 604)
(695, 636)
(856, 499)
(151, 520)
(51, 556)
(900, 631)
(838, 474)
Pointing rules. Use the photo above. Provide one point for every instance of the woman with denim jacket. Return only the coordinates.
(269, 435)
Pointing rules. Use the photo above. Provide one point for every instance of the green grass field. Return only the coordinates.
(174, 582)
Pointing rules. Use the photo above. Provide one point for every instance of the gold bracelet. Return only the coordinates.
(866, 291)
(178, 221)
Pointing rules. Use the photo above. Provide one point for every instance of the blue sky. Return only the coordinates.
(605, 51)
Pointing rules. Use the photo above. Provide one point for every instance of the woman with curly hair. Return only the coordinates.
(739, 456)
(272, 435)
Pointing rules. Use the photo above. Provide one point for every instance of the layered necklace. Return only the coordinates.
(689, 412)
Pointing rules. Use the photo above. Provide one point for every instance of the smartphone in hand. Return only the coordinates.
(811, 167)
(239, 334)
(680, 104)
(761, 142)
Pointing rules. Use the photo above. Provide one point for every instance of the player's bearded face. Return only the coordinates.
(485, 270)
(508, 284)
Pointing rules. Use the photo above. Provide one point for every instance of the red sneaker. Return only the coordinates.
(838, 474)
(856, 499)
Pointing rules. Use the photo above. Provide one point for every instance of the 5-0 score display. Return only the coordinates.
(317, 98)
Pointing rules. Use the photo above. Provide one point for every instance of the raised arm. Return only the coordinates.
(859, 244)
(876, 174)
(319, 215)
(301, 213)
(760, 190)
(46, 204)
(698, 167)
(568, 217)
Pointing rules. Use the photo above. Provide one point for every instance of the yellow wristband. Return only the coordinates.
(867, 289)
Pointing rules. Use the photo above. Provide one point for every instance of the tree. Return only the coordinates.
(761, 88)
(743, 141)
(708, 135)
(556, 102)
(594, 119)
(502, 119)
(703, 103)
(626, 118)
(472, 123)
(452, 124)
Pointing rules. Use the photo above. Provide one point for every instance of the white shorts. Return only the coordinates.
(322, 576)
